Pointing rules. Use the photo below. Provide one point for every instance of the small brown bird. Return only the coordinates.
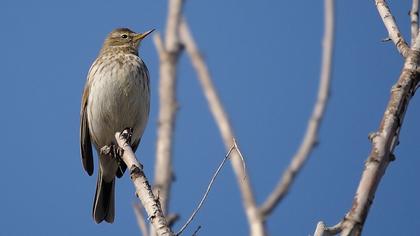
(116, 96)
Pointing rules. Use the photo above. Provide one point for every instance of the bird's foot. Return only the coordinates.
(112, 150)
(119, 152)
(127, 133)
(106, 150)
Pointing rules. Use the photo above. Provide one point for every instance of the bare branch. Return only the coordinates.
(414, 16)
(160, 48)
(168, 54)
(384, 142)
(172, 25)
(207, 190)
(140, 219)
(393, 31)
(166, 123)
(311, 136)
(323, 230)
(255, 220)
(143, 190)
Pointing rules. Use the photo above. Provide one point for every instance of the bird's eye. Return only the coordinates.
(124, 36)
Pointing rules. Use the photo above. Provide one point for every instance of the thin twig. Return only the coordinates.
(391, 26)
(255, 221)
(240, 155)
(311, 136)
(207, 191)
(143, 189)
(414, 17)
(196, 231)
(140, 219)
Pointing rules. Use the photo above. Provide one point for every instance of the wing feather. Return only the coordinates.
(85, 143)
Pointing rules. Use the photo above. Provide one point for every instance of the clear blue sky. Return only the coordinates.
(264, 57)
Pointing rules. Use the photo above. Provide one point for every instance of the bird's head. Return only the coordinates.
(125, 38)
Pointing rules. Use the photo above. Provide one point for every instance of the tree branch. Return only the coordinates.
(384, 142)
(393, 31)
(414, 17)
(323, 230)
(140, 219)
(311, 136)
(255, 220)
(143, 189)
(208, 189)
(172, 25)
(168, 55)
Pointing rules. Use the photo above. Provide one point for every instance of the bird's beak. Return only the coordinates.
(141, 36)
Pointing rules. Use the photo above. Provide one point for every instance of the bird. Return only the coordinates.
(116, 96)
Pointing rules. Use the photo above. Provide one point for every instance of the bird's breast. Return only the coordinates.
(118, 97)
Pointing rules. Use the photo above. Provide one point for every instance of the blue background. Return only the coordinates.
(264, 57)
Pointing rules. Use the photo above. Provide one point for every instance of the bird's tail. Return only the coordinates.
(103, 205)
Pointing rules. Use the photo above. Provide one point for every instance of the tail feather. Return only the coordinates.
(104, 206)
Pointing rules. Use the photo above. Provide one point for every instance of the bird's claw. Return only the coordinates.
(112, 151)
(127, 133)
(106, 150)
(119, 151)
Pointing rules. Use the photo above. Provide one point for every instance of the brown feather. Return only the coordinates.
(85, 143)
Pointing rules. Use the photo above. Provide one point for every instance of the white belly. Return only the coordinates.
(117, 100)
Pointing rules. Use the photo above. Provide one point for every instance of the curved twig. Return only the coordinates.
(207, 191)
(311, 136)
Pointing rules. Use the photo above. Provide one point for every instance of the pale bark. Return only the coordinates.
(384, 142)
(168, 55)
(386, 138)
(393, 31)
(414, 17)
(143, 190)
(323, 230)
(310, 139)
(140, 219)
(255, 220)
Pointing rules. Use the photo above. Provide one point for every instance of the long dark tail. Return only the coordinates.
(103, 205)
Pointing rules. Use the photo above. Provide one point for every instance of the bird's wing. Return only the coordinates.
(85, 143)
